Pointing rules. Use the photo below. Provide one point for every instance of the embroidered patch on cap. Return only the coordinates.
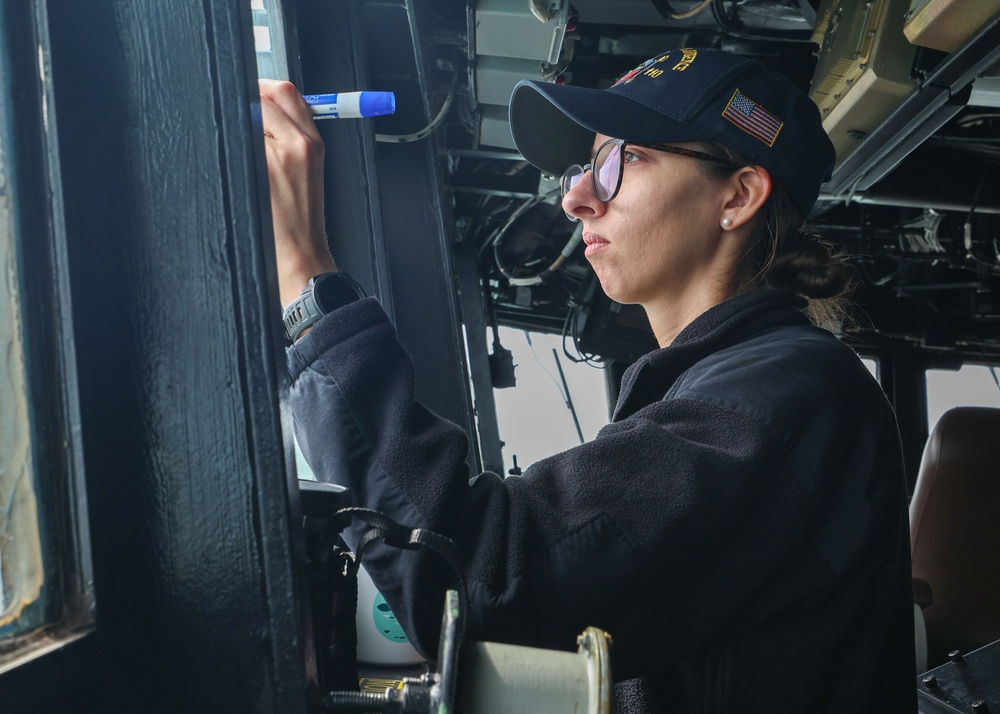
(644, 68)
(753, 118)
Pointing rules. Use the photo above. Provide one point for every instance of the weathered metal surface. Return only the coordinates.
(193, 533)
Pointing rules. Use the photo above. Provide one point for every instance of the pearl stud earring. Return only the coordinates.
(726, 222)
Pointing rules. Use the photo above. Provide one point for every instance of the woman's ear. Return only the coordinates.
(750, 186)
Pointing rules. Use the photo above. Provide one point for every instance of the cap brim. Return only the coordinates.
(553, 125)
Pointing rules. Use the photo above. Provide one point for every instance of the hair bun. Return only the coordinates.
(812, 268)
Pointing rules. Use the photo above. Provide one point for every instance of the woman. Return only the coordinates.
(740, 526)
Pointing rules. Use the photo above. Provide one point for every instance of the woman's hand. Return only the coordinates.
(295, 170)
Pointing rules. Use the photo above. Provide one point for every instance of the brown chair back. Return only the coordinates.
(955, 531)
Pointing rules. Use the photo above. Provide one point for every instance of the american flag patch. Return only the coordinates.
(753, 118)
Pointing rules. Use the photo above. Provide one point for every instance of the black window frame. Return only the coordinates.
(65, 610)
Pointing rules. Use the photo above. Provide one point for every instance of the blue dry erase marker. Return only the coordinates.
(351, 105)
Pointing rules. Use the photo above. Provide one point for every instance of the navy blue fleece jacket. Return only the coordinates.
(739, 528)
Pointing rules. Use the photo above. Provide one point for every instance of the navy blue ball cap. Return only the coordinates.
(682, 95)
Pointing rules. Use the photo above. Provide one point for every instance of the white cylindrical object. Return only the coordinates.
(381, 639)
(509, 679)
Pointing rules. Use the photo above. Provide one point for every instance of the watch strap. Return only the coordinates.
(324, 293)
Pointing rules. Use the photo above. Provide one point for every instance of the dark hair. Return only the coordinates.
(781, 255)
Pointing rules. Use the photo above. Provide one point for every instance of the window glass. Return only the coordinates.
(46, 583)
(973, 385)
(21, 571)
(272, 64)
(872, 365)
(533, 417)
(302, 468)
(268, 36)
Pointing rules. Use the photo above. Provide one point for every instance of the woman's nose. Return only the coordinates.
(580, 201)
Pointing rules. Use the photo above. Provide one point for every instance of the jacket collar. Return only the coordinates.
(724, 325)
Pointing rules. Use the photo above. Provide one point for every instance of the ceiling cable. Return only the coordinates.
(691, 13)
(426, 131)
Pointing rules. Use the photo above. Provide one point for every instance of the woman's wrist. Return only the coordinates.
(294, 276)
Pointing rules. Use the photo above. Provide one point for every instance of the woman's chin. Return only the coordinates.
(617, 293)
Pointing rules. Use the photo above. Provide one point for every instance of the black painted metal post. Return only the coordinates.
(906, 375)
(474, 315)
(386, 211)
(193, 530)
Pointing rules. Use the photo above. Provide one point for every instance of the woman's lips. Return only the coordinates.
(594, 244)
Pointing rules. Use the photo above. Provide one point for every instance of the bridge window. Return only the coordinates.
(872, 365)
(46, 581)
(973, 385)
(534, 418)
(22, 578)
(269, 39)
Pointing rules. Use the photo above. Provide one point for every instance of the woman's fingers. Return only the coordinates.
(286, 98)
(295, 155)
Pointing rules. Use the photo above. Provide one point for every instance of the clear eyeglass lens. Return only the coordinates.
(608, 169)
(571, 178)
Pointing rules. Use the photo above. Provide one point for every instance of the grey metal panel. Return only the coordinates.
(496, 77)
(508, 28)
(494, 129)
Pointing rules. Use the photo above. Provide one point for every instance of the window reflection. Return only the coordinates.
(21, 572)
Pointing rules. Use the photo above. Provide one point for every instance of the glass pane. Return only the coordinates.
(872, 365)
(268, 35)
(45, 575)
(533, 417)
(21, 572)
(302, 468)
(973, 385)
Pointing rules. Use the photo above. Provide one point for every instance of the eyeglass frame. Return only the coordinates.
(622, 143)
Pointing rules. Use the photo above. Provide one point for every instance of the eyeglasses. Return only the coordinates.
(606, 168)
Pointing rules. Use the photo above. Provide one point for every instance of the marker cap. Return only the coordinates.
(376, 104)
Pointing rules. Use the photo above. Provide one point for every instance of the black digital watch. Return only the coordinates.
(324, 293)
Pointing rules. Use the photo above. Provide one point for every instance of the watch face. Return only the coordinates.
(333, 290)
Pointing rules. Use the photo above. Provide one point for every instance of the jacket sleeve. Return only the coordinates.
(662, 531)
